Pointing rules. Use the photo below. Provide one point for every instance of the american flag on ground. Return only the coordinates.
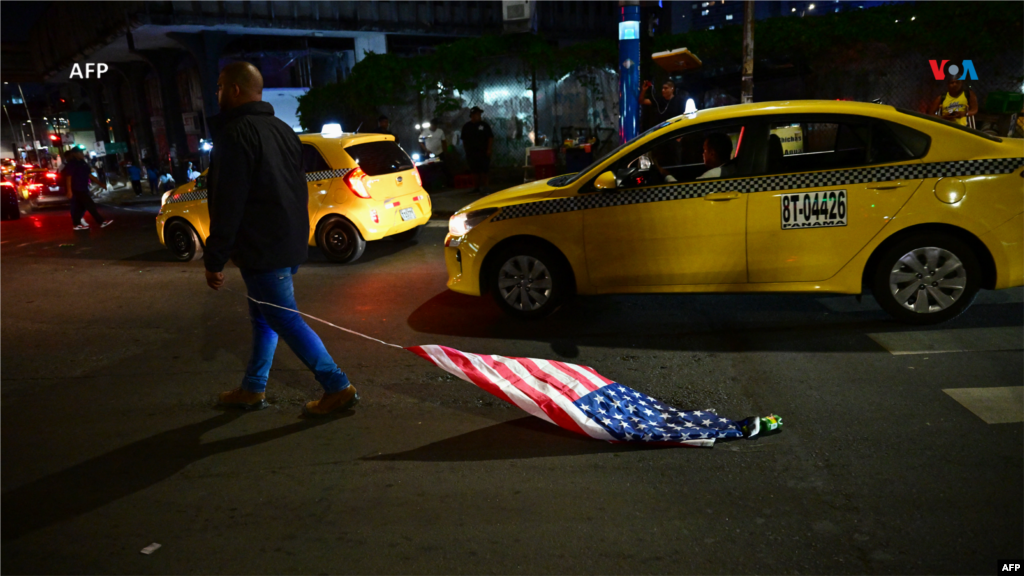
(579, 399)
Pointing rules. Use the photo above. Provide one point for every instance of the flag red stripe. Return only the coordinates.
(599, 377)
(548, 379)
(553, 410)
(459, 359)
(567, 369)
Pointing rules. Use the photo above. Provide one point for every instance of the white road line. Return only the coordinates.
(962, 340)
(993, 405)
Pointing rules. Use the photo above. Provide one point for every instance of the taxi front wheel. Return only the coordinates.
(926, 278)
(183, 242)
(529, 281)
(340, 240)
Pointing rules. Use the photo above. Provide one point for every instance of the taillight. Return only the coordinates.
(354, 181)
(417, 198)
(419, 181)
(374, 217)
(51, 175)
(34, 186)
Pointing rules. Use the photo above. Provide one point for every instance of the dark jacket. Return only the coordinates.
(257, 192)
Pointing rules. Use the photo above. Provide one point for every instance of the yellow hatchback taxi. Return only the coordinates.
(816, 196)
(362, 187)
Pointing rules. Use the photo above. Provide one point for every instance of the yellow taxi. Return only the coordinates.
(362, 187)
(801, 196)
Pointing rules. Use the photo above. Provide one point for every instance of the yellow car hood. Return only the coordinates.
(516, 195)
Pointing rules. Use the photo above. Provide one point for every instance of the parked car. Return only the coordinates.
(812, 196)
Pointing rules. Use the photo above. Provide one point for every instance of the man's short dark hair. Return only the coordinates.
(382, 118)
(670, 83)
(721, 144)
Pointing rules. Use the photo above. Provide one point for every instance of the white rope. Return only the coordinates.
(353, 332)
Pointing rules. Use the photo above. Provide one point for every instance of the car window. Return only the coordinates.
(686, 156)
(383, 157)
(801, 146)
(312, 160)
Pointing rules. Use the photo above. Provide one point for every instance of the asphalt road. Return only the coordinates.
(112, 355)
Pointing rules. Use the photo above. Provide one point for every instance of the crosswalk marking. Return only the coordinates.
(958, 340)
(993, 405)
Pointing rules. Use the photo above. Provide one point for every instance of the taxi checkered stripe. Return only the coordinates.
(764, 184)
(187, 196)
(326, 174)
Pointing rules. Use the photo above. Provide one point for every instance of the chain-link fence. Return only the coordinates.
(586, 103)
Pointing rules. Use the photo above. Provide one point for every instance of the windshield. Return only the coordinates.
(570, 178)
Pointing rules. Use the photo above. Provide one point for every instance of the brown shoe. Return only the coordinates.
(333, 403)
(243, 399)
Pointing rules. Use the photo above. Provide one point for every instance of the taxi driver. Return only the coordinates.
(717, 153)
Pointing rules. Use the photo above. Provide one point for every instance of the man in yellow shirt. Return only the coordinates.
(957, 105)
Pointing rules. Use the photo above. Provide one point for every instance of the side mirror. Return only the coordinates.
(606, 181)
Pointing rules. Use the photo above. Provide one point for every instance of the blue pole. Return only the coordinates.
(629, 72)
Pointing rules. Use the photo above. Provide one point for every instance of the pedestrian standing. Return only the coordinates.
(101, 173)
(958, 104)
(259, 219)
(76, 176)
(135, 175)
(434, 144)
(152, 177)
(384, 126)
(478, 144)
(665, 107)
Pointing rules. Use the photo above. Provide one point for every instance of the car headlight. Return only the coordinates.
(163, 199)
(460, 224)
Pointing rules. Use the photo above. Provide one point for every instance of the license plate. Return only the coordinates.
(814, 209)
(407, 214)
(54, 188)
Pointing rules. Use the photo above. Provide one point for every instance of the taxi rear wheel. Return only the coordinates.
(927, 278)
(340, 240)
(529, 281)
(182, 241)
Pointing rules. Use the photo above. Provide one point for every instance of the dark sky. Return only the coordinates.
(17, 18)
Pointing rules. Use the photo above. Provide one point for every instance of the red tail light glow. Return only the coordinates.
(354, 181)
(51, 175)
(374, 217)
(417, 198)
(419, 180)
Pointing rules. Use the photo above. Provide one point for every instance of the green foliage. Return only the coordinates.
(951, 30)
(389, 79)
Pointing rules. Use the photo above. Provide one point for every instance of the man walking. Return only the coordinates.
(478, 143)
(259, 219)
(135, 175)
(77, 175)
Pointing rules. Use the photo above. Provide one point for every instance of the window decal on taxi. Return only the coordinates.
(782, 182)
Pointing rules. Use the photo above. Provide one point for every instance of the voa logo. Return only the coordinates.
(91, 70)
(945, 69)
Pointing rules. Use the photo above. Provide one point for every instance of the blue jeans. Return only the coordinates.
(268, 322)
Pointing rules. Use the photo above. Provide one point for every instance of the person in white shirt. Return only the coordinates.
(192, 173)
(432, 139)
(166, 181)
(717, 153)
(433, 143)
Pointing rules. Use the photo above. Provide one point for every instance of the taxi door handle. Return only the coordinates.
(886, 185)
(717, 196)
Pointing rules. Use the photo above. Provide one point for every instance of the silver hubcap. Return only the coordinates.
(927, 280)
(525, 283)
